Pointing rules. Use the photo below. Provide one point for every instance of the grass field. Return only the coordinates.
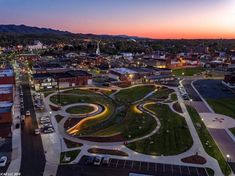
(71, 155)
(133, 125)
(223, 106)
(174, 97)
(81, 96)
(232, 131)
(71, 144)
(162, 93)
(207, 141)
(133, 94)
(187, 71)
(83, 109)
(173, 137)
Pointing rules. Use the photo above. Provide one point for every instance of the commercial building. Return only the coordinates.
(140, 74)
(7, 81)
(7, 76)
(72, 78)
(6, 92)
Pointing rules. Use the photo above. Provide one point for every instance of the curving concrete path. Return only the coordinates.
(176, 159)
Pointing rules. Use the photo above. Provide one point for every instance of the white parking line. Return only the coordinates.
(132, 164)
(124, 164)
(117, 163)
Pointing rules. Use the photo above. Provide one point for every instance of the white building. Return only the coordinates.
(37, 46)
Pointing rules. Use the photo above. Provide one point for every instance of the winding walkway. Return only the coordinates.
(197, 146)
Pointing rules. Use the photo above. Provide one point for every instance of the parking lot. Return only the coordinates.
(213, 89)
(150, 168)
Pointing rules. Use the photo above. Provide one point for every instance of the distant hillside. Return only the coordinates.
(28, 30)
(24, 30)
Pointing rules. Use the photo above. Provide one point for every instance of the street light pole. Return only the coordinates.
(227, 159)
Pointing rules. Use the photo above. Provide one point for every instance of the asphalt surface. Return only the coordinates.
(124, 167)
(213, 89)
(33, 158)
(5, 150)
(191, 92)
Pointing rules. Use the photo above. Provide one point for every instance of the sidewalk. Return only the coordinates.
(14, 166)
(51, 144)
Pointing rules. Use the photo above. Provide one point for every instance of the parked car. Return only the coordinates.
(22, 117)
(44, 118)
(97, 160)
(36, 131)
(47, 125)
(45, 121)
(3, 161)
(90, 160)
(48, 130)
(27, 113)
(105, 160)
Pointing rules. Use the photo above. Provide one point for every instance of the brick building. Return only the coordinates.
(6, 92)
(72, 78)
(7, 76)
(7, 81)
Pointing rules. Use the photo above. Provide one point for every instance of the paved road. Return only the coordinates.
(124, 167)
(33, 158)
(191, 92)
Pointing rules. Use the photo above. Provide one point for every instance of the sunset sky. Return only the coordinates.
(148, 18)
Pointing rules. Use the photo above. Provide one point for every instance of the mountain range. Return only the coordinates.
(29, 30)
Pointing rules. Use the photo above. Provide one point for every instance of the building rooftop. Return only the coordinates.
(67, 74)
(124, 71)
(78, 73)
(48, 66)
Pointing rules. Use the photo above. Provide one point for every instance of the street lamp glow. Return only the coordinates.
(228, 156)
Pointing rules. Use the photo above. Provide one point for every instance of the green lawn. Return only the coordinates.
(187, 71)
(84, 96)
(133, 94)
(79, 91)
(137, 124)
(174, 97)
(223, 106)
(133, 125)
(232, 131)
(173, 137)
(161, 93)
(207, 141)
(71, 144)
(69, 154)
(83, 109)
(48, 93)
